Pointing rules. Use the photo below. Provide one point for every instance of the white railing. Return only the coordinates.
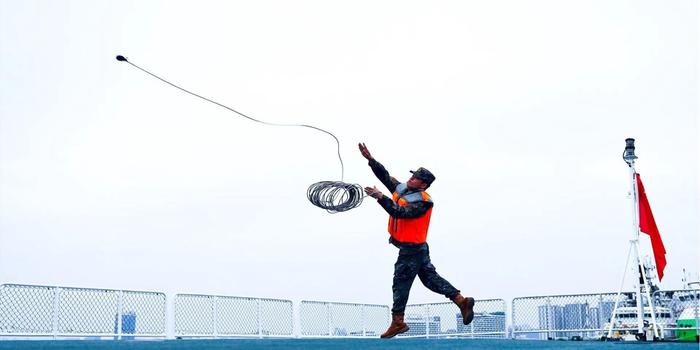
(199, 315)
(445, 320)
(27, 310)
(587, 316)
(332, 319)
(563, 316)
(51, 311)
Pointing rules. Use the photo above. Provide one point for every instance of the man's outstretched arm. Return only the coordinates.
(378, 169)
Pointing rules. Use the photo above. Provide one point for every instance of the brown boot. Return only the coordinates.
(397, 326)
(466, 307)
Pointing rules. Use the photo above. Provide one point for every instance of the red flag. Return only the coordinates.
(648, 226)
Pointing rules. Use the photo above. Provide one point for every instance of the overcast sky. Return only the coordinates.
(110, 178)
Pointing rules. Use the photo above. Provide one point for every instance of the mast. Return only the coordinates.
(630, 158)
(641, 284)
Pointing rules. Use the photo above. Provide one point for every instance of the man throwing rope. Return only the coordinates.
(409, 217)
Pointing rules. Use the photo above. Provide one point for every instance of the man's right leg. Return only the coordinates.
(405, 271)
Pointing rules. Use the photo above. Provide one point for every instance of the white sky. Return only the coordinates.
(110, 178)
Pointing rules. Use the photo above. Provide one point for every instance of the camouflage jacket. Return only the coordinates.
(392, 208)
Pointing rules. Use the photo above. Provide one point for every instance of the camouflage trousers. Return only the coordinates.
(414, 260)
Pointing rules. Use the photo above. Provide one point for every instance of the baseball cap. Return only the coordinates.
(424, 174)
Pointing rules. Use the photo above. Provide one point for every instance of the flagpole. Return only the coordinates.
(635, 241)
(630, 158)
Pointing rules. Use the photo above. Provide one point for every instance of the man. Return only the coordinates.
(409, 217)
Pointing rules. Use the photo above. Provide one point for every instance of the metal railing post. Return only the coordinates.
(547, 314)
(120, 305)
(170, 315)
(259, 317)
(512, 319)
(427, 321)
(54, 321)
(328, 319)
(471, 329)
(601, 324)
(215, 312)
(296, 319)
(364, 323)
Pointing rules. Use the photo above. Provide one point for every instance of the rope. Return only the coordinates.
(334, 196)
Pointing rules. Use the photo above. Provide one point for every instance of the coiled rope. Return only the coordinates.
(333, 196)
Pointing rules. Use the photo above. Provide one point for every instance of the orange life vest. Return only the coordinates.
(410, 230)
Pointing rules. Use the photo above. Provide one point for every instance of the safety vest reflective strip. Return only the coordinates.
(410, 230)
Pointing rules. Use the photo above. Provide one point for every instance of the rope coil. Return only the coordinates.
(335, 196)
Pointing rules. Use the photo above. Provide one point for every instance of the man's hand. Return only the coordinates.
(374, 192)
(365, 151)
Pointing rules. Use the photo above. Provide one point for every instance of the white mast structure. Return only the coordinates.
(642, 284)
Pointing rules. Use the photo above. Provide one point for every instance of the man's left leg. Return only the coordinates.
(433, 281)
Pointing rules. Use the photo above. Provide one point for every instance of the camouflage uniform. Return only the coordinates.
(414, 259)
